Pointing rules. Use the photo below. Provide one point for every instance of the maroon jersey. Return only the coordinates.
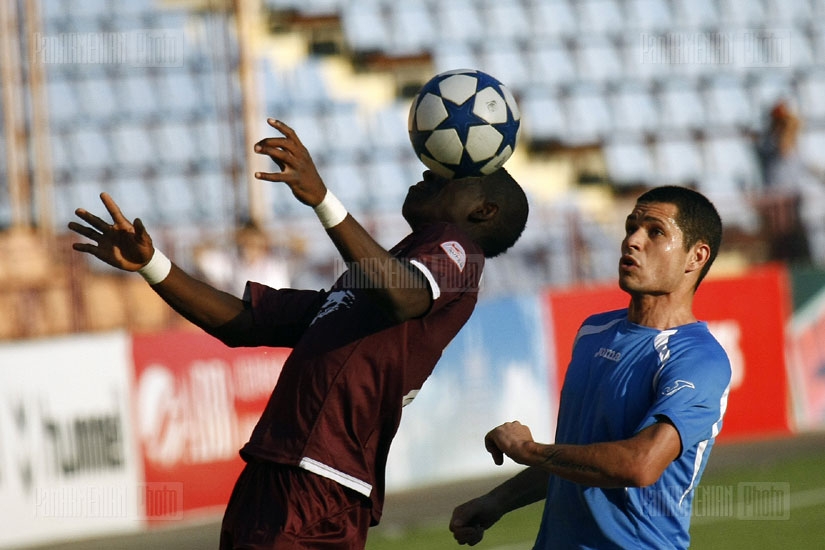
(337, 403)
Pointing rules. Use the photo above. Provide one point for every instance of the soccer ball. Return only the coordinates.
(464, 123)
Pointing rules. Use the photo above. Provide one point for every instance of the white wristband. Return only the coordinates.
(330, 211)
(156, 269)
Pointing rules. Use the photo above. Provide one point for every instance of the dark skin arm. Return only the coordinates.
(128, 246)
(634, 462)
(380, 270)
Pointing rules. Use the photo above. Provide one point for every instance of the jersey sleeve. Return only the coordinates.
(691, 391)
(450, 261)
(280, 316)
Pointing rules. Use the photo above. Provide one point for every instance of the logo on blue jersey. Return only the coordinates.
(609, 354)
(678, 385)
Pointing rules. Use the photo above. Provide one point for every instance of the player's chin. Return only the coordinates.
(628, 283)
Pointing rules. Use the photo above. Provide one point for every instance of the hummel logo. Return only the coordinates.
(609, 354)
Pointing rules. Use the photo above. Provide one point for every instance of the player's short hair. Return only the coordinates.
(503, 190)
(696, 216)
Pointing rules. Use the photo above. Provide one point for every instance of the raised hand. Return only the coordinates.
(298, 170)
(121, 244)
(511, 439)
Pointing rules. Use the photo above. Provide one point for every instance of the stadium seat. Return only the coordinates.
(732, 159)
(766, 89)
(648, 15)
(137, 195)
(453, 54)
(800, 51)
(600, 17)
(505, 60)
(678, 160)
(504, 19)
(387, 127)
(364, 26)
(818, 42)
(307, 85)
(728, 104)
(550, 62)
(139, 96)
(551, 19)
(175, 144)
(633, 108)
(739, 14)
(588, 116)
(459, 21)
(680, 106)
(643, 58)
(181, 94)
(308, 124)
(629, 162)
(98, 99)
(132, 146)
(91, 149)
(787, 12)
(695, 14)
(811, 146)
(412, 28)
(174, 199)
(344, 128)
(63, 105)
(811, 91)
(345, 176)
(543, 116)
(208, 146)
(597, 59)
(387, 182)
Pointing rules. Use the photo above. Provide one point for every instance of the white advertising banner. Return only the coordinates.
(68, 462)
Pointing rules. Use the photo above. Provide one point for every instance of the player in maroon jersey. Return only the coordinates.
(314, 474)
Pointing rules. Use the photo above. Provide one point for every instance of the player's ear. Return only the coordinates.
(484, 212)
(699, 256)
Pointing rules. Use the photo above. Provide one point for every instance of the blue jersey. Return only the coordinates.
(621, 379)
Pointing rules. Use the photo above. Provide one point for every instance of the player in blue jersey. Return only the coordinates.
(642, 401)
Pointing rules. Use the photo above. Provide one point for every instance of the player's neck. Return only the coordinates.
(661, 312)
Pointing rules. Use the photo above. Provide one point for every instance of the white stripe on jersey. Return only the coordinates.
(337, 476)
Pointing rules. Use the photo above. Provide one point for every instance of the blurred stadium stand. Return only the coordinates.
(616, 95)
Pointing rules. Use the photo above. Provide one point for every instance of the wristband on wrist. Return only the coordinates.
(156, 269)
(330, 211)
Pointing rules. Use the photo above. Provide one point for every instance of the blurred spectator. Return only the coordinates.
(793, 197)
(253, 258)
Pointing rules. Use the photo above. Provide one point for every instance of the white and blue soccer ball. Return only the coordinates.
(464, 123)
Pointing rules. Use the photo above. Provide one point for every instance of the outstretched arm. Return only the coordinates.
(471, 519)
(634, 462)
(380, 271)
(128, 246)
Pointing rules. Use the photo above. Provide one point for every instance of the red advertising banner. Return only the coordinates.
(196, 402)
(747, 314)
(806, 353)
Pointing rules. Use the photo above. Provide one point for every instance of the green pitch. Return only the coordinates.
(775, 506)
